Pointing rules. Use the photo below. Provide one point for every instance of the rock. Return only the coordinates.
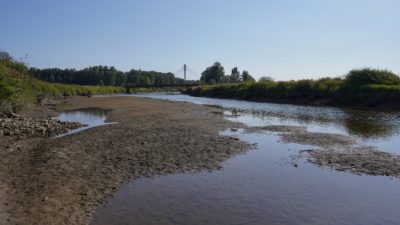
(29, 127)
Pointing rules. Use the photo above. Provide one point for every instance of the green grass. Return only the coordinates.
(272, 90)
(19, 88)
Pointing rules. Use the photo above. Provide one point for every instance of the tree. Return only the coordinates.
(235, 75)
(247, 77)
(213, 74)
(266, 79)
(120, 79)
(5, 56)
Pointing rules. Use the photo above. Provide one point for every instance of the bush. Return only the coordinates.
(358, 78)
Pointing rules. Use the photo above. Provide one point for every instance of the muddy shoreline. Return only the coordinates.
(62, 181)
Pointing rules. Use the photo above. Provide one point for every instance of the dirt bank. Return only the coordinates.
(61, 181)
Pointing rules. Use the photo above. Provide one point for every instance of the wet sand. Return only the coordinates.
(63, 180)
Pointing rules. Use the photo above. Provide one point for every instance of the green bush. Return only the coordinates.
(361, 77)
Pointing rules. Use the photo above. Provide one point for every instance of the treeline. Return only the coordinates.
(366, 87)
(107, 76)
(215, 74)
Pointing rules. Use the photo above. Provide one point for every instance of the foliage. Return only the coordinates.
(213, 74)
(274, 90)
(366, 76)
(107, 76)
(235, 75)
(359, 87)
(18, 88)
(266, 79)
(246, 77)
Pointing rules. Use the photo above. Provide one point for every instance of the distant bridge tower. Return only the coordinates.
(184, 72)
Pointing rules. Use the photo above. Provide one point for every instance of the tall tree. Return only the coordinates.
(247, 77)
(213, 74)
(235, 75)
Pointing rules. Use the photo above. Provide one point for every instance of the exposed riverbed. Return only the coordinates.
(62, 180)
(279, 182)
(213, 162)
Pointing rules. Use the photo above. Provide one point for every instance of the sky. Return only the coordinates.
(283, 39)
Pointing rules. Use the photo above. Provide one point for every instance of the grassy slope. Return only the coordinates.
(19, 88)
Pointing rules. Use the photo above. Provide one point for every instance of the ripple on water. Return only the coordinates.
(262, 186)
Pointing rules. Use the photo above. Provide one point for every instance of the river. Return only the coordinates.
(262, 186)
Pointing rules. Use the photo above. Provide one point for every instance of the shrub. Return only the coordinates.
(361, 77)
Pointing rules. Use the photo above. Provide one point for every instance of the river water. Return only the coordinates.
(261, 186)
(90, 117)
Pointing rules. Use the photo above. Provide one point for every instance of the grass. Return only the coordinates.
(274, 90)
(18, 88)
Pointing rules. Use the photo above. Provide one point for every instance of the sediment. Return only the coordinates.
(62, 180)
(361, 161)
(336, 151)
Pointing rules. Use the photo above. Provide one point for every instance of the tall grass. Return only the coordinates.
(18, 88)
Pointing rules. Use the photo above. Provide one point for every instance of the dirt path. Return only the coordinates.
(61, 181)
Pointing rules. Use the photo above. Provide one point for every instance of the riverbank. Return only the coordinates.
(359, 88)
(61, 181)
(384, 101)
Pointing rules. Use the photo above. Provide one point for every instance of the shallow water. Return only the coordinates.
(263, 186)
(91, 117)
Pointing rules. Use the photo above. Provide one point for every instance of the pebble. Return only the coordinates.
(29, 127)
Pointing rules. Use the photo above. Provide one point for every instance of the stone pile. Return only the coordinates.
(29, 127)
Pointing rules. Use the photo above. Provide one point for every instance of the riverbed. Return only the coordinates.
(269, 184)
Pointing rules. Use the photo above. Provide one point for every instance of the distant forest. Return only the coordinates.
(107, 76)
(110, 76)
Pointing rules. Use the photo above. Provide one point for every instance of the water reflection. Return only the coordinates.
(371, 124)
(91, 117)
(260, 187)
(256, 188)
(366, 124)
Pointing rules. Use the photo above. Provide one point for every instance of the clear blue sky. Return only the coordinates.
(285, 39)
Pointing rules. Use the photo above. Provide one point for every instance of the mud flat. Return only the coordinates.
(344, 153)
(62, 180)
(336, 151)
(361, 161)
